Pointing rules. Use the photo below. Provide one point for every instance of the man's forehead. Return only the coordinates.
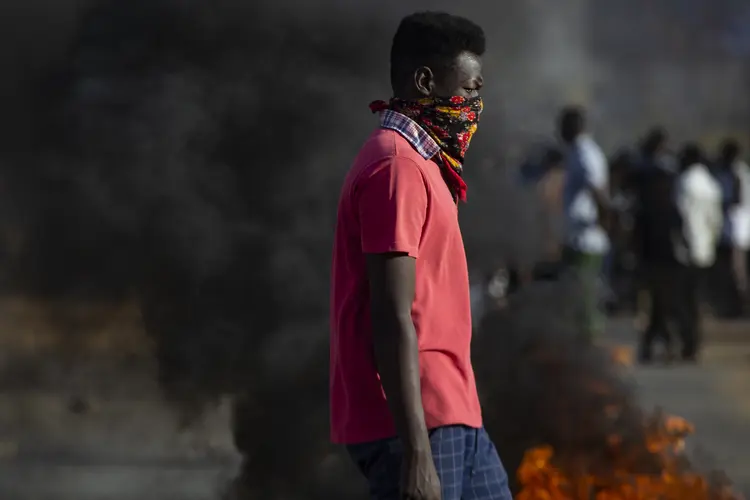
(468, 65)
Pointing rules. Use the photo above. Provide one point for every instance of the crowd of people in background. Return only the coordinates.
(653, 228)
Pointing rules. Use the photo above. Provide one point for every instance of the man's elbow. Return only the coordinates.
(389, 322)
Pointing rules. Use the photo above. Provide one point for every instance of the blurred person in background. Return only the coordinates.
(724, 289)
(585, 207)
(543, 172)
(741, 229)
(728, 276)
(658, 225)
(741, 224)
(403, 394)
(699, 201)
(654, 153)
(550, 192)
(490, 292)
(621, 265)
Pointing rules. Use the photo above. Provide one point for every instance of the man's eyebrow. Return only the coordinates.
(478, 82)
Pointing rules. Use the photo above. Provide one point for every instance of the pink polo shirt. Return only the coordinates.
(394, 199)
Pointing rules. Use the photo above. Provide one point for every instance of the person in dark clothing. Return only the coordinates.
(725, 295)
(656, 214)
(620, 263)
(657, 221)
(626, 168)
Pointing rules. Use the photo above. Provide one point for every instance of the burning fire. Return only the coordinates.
(649, 467)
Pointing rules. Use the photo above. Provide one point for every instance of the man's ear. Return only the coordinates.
(424, 81)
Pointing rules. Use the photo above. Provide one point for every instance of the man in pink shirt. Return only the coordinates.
(403, 396)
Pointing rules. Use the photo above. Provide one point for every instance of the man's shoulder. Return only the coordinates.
(699, 180)
(591, 153)
(383, 150)
(386, 143)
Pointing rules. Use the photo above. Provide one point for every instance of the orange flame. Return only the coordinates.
(543, 476)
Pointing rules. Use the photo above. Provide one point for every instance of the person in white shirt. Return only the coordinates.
(699, 200)
(741, 227)
(729, 274)
(585, 204)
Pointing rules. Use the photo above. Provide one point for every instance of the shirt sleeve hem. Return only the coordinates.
(410, 251)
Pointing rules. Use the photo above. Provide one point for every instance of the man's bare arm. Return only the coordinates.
(392, 278)
(603, 207)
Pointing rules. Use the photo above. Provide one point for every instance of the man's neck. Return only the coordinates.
(572, 142)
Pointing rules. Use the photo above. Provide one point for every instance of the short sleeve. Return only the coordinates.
(595, 164)
(391, 201)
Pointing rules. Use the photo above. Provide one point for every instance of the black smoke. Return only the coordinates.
(540, 385)
(189, 154)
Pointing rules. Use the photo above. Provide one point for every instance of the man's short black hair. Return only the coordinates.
(691, 154)
(730, 150)
(432, 39)
(655, 139)
(572, 121)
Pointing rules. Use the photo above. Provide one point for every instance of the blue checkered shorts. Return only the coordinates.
(465, 458)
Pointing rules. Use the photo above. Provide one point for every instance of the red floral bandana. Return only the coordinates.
(451, 122)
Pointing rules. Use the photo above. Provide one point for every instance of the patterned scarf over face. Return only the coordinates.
(451, 122)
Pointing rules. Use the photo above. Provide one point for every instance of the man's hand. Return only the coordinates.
(419, 479)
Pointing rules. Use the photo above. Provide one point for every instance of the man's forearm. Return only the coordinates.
(603, 208)
(397, 358)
